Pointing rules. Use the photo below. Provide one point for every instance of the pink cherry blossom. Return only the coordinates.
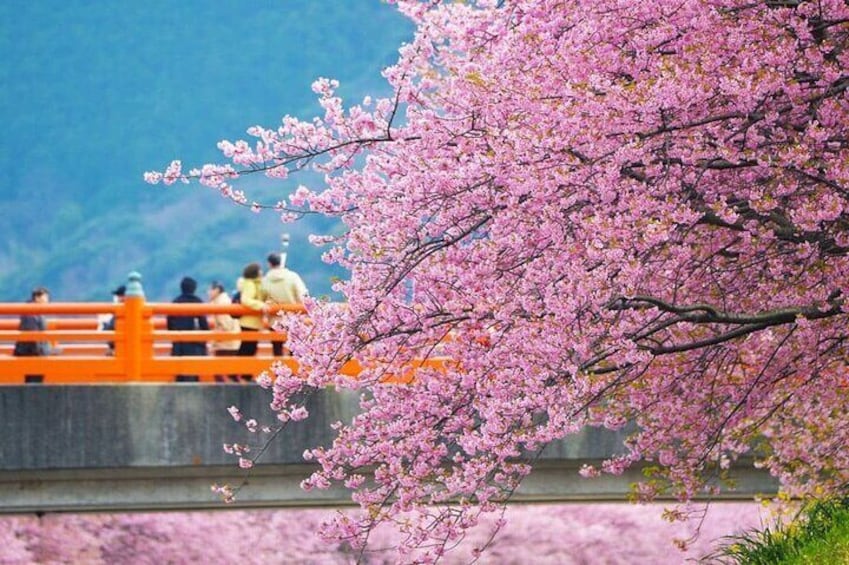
(567, 214)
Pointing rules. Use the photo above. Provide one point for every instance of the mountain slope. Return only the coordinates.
(95, 96)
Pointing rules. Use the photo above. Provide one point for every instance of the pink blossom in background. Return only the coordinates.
(564, 534)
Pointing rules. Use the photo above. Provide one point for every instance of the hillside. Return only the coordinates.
(94, 96)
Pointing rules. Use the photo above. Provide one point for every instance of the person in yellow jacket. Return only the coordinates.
(282, 286)
(252, 296)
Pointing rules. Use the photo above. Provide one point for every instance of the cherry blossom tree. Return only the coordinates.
(593, 213)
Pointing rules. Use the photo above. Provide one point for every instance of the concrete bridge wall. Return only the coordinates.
(134, 447)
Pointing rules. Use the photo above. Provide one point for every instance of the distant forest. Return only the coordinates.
(94, 96)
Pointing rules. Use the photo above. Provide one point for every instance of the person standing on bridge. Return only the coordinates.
(282, 286)
(252, 296)
(34, 323)
(223, 322)
(118, 297)
(188, 286)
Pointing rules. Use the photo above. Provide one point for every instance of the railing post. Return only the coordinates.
(133, 326)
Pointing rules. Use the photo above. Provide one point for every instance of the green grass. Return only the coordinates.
(818, 536)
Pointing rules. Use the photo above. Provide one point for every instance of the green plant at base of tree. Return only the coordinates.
(818, 535)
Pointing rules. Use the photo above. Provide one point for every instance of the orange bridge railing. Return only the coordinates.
(80, 351)
(142, 346)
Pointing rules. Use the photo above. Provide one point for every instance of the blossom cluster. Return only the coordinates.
(594, 213)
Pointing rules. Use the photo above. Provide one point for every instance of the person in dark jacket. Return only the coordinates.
(34, 323)
(118, 296)
(188, 286)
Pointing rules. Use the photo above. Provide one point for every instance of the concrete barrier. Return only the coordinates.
(135, 447)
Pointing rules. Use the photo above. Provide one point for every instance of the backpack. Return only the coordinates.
(26, 349)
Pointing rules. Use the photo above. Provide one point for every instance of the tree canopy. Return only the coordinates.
(600, 213)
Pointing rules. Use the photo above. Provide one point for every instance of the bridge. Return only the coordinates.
(141, 344)
(116, 433)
